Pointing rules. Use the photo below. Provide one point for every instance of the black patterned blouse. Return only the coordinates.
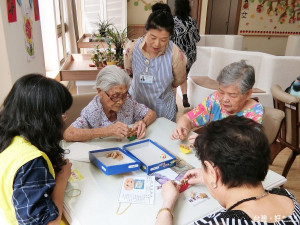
(238, 217)
(185, 36)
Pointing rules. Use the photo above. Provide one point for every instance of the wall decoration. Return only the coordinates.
(11, 11)
(28, 35)
(36, 10)
(270, 17)
(147, 5)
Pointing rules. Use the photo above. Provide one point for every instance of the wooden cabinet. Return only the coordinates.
(77, 67)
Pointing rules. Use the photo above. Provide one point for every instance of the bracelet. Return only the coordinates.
(165, 209)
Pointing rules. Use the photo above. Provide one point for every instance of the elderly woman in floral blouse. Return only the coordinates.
(111, 110)
(233, 98)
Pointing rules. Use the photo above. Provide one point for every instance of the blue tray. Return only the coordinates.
(111, 166)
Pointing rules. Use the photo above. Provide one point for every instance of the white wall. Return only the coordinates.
(5, 75)
(13, 57)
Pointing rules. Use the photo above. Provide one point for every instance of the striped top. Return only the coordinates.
(159, 95)
(238, 217)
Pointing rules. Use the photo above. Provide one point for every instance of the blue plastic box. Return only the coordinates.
(112, 166)
(146, 155)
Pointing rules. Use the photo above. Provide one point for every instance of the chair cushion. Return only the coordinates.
(271, 123)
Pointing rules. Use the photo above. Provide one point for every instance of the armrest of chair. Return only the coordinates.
(282, 96)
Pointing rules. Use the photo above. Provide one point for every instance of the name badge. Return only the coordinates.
(146, 79)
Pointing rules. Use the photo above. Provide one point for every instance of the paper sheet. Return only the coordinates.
(139, 190)
(79, 151)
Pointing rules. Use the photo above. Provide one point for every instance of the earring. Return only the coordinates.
(213, 185)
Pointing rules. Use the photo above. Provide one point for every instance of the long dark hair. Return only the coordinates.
(160, 18)
(182, 9)
(33, 109)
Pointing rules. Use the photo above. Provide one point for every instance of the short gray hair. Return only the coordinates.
(111, 76)
(240, 73)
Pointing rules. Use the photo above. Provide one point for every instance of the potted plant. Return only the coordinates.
(110, 55)
(103, 26)
(97, 57)
(118, 38)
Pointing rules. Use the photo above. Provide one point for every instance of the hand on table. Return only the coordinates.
(170, 192)
(119, 129)
(180, 133)
(140, 127)
(194, 176)
(65, 173)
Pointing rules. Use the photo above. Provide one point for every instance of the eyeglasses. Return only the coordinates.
(116, 98)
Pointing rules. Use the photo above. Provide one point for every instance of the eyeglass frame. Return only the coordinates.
(116, 99)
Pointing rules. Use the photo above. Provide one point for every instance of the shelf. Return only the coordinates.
(77, 67)
(84, 42)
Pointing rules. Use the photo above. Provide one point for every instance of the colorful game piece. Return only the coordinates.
(131, 135)
(183, 185)
(163, 156)
(184, 149)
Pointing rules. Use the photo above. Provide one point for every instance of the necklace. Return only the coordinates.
(247, 199)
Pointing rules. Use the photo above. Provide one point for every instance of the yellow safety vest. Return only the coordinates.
(18, 153)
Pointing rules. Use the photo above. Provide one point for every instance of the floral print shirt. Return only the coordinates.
(210, 110)
(93, 115)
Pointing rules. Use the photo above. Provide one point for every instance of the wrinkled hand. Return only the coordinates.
(140, 127)
(170, 192)
(65, 172)
(119, 129)
(179, 133)
(194, 176)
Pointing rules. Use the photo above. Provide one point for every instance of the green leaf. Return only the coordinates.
(251, 1)
(259, 1)
(268, 3)
(136, 3)
(146, 8)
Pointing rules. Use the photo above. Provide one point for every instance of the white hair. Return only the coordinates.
(240, 73)
(111, 76)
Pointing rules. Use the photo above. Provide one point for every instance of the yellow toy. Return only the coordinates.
(184, 149)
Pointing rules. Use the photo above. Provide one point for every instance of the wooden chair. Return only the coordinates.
(79, 102)
(289, 133)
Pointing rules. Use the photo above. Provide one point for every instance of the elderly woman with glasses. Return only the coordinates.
(111, 110)
(232, 98)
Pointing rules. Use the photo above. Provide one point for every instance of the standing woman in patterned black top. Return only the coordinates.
(185, 36)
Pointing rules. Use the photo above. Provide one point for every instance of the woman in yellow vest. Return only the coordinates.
(33, 171)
